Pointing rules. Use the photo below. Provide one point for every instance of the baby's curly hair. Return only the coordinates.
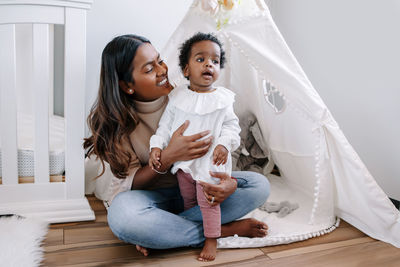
(186, 47)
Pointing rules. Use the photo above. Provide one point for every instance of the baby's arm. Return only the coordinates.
(220, 155)
(161, 138)
(229, 140)
(154, 159)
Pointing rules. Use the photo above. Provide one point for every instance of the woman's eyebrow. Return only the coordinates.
(150, 62)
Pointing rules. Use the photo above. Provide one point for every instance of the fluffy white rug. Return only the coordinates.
(291, 228)
(20, 241)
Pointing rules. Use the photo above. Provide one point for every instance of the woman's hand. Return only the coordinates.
(221, 191)
(181, 148)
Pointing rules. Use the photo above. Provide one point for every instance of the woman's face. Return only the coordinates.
(150, 75)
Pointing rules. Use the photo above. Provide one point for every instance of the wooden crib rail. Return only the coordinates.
(8, 104)
(64, 200)
(41, 85)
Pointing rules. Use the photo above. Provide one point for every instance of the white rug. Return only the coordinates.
(291, 228)
(20, 241)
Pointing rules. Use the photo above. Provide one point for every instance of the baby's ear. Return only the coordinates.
(186, 71)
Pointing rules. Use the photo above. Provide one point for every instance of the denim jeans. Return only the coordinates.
(155, 219)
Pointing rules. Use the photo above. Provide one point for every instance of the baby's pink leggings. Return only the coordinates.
(192, 193)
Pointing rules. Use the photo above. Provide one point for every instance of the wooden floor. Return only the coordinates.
(93, 244)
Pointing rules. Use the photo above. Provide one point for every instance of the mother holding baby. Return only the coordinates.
(144, 204)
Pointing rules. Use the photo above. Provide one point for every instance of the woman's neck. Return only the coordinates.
(151, 106)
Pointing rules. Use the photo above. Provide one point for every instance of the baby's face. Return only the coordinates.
(203, 66)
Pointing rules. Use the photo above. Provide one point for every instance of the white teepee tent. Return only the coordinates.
(319, 169)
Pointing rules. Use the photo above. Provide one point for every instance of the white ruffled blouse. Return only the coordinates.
(205, 111)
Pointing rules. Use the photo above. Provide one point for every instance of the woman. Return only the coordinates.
(145, 206)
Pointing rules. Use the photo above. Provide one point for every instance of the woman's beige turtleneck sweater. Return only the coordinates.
(107, 186)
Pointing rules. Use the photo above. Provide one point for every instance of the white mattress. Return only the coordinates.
(25, 132)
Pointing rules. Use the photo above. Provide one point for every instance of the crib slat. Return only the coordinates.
(8, 105)
(41, 85)
(74, 88)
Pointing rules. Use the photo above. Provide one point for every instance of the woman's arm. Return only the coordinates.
(179, 148)
(182, 148)
(144, 177)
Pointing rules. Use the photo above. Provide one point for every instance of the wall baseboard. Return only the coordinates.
(396, 203)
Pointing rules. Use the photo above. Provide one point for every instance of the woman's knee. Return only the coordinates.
(123, 202)
(124, 213)
(260, 181)
(257, 183)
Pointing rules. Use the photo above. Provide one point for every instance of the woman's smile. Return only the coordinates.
(164, 83)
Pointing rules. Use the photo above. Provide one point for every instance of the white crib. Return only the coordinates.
(62, 200)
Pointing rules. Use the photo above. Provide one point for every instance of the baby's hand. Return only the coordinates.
(154, 160)
(220, 155)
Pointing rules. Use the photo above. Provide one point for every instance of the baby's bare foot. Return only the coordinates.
(246, 227)
(142, 250)
(209, 250)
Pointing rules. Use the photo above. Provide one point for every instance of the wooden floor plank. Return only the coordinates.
(320, 247)
(101, 217)
(343, 224)
(92, 243)
(339, 234)
(91, 255)
(370, 254)
(70, 224)
(88, 234)
(96, 204)
(366, 254)
(54, 237)
(59, 248)
(224, 256)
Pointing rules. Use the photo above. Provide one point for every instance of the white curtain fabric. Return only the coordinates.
(319, 169)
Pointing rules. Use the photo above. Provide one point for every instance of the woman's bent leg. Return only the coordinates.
(252, 191)
(142, 217)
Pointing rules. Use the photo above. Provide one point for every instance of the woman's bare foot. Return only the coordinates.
(246, 227)
(209, 250)
(142, 250)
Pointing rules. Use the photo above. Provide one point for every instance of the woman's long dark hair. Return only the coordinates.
(112, 117)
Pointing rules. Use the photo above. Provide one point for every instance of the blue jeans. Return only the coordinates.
(155, 219)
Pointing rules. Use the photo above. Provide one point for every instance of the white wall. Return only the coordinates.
(154, 19)
(350, 51)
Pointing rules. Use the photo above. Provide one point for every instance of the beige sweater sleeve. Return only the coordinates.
(107, 186)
